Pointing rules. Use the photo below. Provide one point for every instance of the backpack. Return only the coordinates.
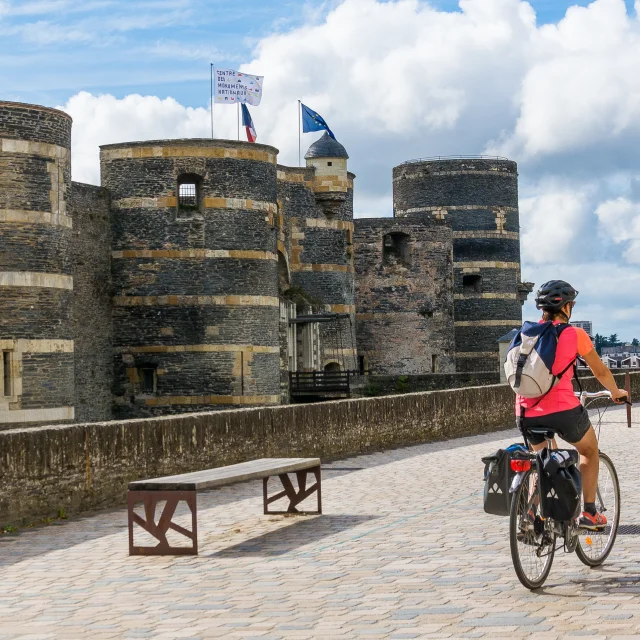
(560, 483)
(530, 359)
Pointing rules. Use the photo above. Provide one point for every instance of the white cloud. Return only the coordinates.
(399, 80)
(620, 221)
(103, 119)
(550, 222)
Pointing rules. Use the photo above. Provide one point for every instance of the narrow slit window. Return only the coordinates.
(148, 380)
(7, 382)
(434, 364)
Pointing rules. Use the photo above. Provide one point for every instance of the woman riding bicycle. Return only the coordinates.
(560, 409)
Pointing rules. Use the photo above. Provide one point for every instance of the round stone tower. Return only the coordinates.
(479, 196)
(194, 266)
(36, 282)
(322, 255)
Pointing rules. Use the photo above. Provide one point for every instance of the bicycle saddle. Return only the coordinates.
(545, 432)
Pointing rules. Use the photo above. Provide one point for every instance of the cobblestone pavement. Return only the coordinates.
(404, 550)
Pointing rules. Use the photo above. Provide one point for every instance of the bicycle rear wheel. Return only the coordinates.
(594, 546)
(532, 540)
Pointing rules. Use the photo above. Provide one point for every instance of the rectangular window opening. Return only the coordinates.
(472, 284)
(148, 379)
(7, 381)
(434, 364)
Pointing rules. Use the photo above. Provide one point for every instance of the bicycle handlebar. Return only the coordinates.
(592, 395)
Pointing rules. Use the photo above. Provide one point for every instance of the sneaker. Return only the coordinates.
(593, 523)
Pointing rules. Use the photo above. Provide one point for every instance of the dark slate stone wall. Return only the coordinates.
(405, 312)
(46, 382)
(442, 183)
(146, 217)
(92, 290)
(36, 237)
(479, 198)
(38, 124)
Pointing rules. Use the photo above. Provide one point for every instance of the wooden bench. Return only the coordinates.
(184, 487)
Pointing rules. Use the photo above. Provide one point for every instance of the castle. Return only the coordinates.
(201, 273)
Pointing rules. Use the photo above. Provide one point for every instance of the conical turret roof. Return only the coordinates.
(326, 147)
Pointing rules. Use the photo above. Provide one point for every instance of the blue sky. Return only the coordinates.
(556, 91)
(51, 49)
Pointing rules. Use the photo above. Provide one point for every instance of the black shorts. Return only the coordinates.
(571, 425)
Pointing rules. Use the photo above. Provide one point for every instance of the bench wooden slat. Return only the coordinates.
(232, 474)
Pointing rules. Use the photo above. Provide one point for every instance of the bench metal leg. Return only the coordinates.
(295, 497)
(159, 529)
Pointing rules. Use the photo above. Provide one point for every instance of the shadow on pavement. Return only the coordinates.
(285, 539)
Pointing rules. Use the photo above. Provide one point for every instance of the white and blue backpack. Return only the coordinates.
(530, 359)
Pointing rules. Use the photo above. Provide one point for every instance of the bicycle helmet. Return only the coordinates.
(553, 295)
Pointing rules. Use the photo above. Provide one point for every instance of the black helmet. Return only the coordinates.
(553, 295)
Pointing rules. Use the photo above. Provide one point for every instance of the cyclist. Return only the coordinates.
(560, 409)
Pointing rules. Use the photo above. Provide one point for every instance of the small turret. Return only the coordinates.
(329, 158)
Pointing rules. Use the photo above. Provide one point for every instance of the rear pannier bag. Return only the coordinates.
(498, 477)
(530, 359)
(560, 483)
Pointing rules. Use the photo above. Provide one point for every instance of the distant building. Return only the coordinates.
(587, 325)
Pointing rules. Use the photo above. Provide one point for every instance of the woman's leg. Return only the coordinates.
(589, 464)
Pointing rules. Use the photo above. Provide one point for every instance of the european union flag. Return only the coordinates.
(312, 121)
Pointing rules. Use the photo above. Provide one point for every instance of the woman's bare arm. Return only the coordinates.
(604, 375)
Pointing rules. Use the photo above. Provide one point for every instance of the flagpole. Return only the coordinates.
(211, 64)
(299, 134)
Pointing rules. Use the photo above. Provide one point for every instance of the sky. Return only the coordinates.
(548, 83)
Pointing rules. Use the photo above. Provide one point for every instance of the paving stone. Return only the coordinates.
(380, 563)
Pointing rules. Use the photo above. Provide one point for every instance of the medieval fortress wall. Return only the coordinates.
(201, 273)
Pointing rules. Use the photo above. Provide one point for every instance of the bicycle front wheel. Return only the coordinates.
(532, 539)
(594, 546)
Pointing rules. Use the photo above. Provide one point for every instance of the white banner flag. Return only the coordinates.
(230, 87)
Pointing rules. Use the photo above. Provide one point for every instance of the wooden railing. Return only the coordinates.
(320, 382)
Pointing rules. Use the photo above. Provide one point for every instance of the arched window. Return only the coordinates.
(396, 249)
(189, 196)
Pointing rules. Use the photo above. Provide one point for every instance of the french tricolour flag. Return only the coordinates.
(247, 122)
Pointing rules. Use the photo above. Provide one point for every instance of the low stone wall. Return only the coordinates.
(375, 385)
(87, 466)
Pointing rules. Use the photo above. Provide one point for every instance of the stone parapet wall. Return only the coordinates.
(374, 385)
(87, 466)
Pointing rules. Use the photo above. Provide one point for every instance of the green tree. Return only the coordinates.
(601, 341)
(635, 342)
(613, 340)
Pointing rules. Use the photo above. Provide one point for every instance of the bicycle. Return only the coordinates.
(533, 547)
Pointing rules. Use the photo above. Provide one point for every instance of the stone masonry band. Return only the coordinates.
(35, 279)
(185, 301)
(23, 216)
(168, 150)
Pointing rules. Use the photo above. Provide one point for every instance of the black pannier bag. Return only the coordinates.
(560, 483)
(498, 477)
